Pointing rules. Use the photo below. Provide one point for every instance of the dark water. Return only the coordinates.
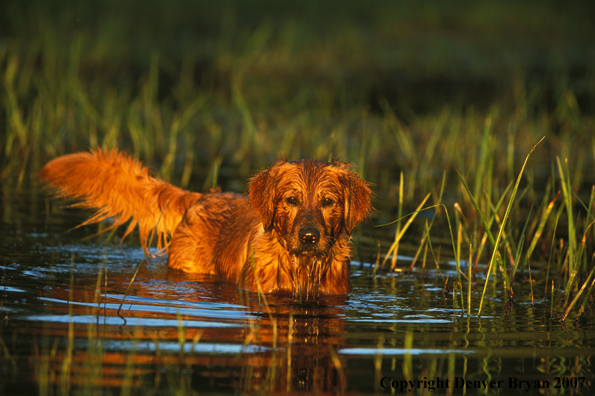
(62, 329)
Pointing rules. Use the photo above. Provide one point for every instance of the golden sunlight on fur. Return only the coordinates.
(290, 235)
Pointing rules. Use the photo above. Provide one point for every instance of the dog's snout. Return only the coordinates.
(309, 236)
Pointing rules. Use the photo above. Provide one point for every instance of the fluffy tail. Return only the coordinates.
(118, 186)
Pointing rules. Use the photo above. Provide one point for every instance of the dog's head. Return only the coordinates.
(309, 203)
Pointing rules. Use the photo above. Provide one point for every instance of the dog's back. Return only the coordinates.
(117, 186)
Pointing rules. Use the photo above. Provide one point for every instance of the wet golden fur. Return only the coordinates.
(290, 234)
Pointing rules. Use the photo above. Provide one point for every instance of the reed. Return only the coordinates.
(500, 233)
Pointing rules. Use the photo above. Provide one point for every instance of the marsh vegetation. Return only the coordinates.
(437, 105)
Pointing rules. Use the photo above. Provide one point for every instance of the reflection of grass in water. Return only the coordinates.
(173, 370)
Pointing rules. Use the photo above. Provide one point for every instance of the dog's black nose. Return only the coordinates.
(309, 236)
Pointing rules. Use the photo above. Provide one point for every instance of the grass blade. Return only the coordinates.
(504, 220)
(405, 227)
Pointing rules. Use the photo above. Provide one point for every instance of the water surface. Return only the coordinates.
(67, 327)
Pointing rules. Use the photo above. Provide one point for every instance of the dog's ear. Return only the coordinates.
(357, 197)
(262, 189)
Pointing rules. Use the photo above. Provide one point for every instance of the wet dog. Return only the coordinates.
(289, 235)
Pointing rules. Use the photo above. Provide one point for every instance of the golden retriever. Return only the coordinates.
(289, 235)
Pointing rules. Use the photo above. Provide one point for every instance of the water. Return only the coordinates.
(65, 327)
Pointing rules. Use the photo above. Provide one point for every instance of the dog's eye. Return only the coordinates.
(327, 202)
(291, 201)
